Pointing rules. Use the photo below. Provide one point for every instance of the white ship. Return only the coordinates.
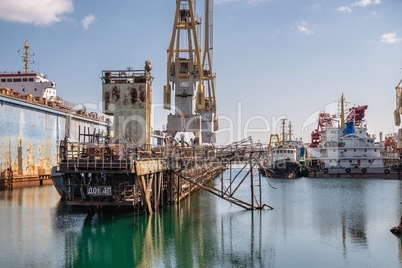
(346, 149)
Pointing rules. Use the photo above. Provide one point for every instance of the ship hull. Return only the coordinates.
(388, 173)
(30, 137)
(285, 169)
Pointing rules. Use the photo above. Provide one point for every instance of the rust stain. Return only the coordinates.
(19, 158)
(107, 100)
(125, 100)
(30, 161)
(142, 93)
(116, 93)
(134, 95)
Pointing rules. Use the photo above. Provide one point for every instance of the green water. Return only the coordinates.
(315, 223)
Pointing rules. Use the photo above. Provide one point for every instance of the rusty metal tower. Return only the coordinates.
(188, 69)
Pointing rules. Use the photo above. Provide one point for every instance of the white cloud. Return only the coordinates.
(87, 21)
(37, 12)
(304, 29)
(344, 9)
(390, 38)
(364, 3)
(315, 6)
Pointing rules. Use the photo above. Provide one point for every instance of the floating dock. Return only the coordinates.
(99, 175)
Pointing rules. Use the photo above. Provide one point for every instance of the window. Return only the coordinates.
(17, 80)
(31, 79)
(365, 150)
(355, 150)
(3, 80)
(183, 67)
(350, 161)
(9, 80)
(24, 79)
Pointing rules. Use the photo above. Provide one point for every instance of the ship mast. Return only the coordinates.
(26, 57)
(342, 111)
(283, 131)
(290, 131)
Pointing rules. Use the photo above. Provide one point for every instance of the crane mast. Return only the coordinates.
(209, 117)
(188, 70)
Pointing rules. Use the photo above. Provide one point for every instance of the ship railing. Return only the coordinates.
(92, 156)
(76, 156)
(124, 76)
(80, 156)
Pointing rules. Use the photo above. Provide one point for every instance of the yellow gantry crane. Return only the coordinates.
(189, 70)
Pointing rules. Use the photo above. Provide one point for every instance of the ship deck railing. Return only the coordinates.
(77, 156)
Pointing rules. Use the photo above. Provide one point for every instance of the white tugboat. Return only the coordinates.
(286, 157)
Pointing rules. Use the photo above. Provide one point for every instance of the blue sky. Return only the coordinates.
(273, 58)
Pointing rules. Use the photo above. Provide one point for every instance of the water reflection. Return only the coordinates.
(341, 203)
(315, 223)
(192, 234)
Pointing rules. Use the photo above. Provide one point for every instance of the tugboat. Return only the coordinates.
(285, 157)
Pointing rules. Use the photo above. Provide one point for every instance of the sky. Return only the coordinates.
(273, 59)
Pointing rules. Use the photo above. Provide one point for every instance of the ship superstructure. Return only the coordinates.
(32, 83)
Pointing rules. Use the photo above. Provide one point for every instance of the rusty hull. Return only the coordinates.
(30, 136)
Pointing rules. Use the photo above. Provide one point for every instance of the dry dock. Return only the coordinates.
(101, 175)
